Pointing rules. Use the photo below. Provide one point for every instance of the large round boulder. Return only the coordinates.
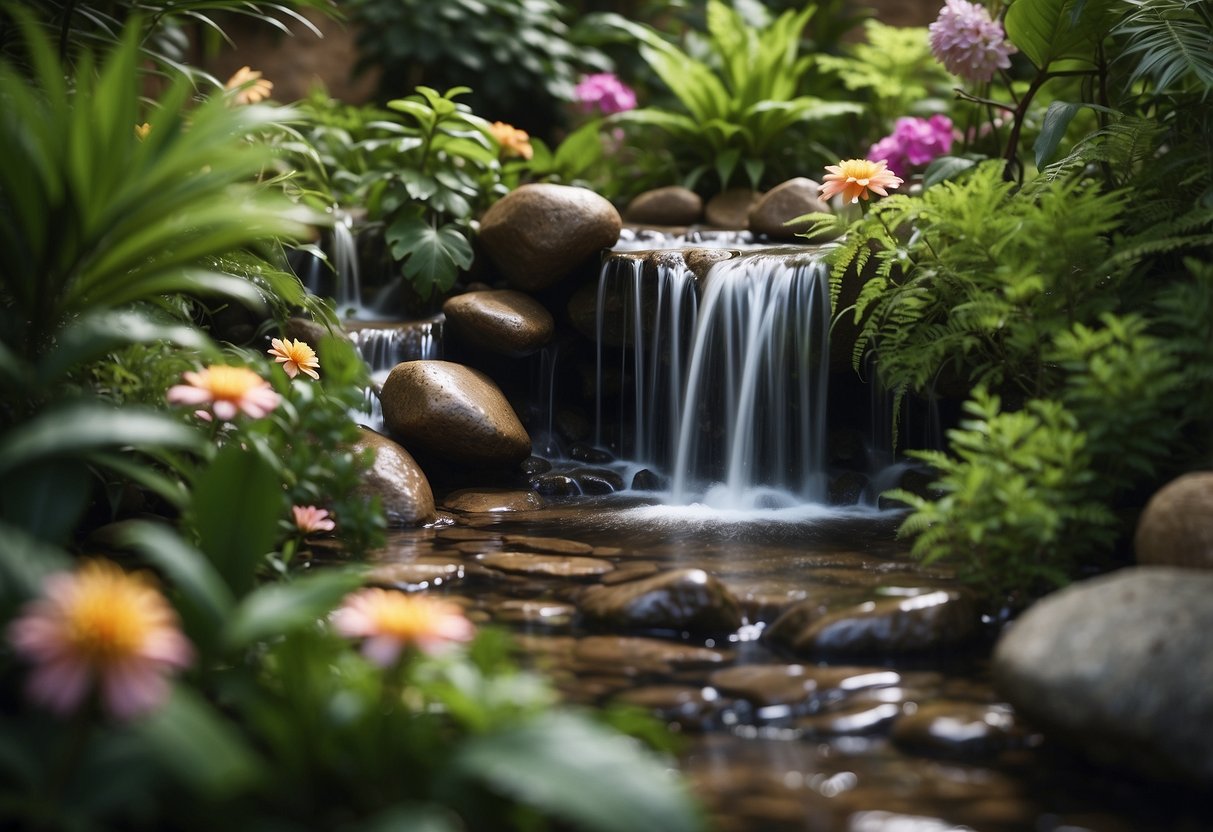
(795, 198)
(731, 208)
(452, 413)
(1176, 529)
(501, 321)
(538, 234)
(671, 205)
(397, 480)
(1120, 668)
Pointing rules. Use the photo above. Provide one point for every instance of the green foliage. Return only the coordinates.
(1014, 516)
(739, 107)
(517, 56)
(1172, 41)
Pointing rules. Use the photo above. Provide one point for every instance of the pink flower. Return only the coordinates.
(295, 357)
(968, 42)
(310, 519)
(605, 93)
(854, 178)
(100, 626)
(228, 391)
(390, 621)
(914, 141)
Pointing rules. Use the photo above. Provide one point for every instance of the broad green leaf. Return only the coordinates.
(1053, 129)
(238, 500)
(1043, 30)
(413, 819)
(198, 745)
(277, 608)
(945, 168)
(47, 497)
(25, 561)
(435, 255)
(578, 771)
(78, 428)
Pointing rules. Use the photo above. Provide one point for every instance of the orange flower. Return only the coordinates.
(390, 620)
(248, 87)
(99, 626)
(141, 130)
(513, 142)
(310, 519)
(854, 178)
(294, 356)
(228, 391)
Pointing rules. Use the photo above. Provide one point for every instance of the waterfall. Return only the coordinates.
(727, 390)
(383, 346)
(348, 295)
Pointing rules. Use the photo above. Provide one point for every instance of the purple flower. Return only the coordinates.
(604, 92)
(914, 141)
(968, 42)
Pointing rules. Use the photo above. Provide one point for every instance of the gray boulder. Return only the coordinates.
(398, 481)
(501, 321)
(731, 208)
(539, 234)
(452, 413)
(1176, 528)
(784, 202)
(1120, 667)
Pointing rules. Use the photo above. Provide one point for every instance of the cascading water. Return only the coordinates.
(728, 390)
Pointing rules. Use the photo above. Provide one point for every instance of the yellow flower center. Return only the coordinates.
(400, 616)
(110, 614)
(230, 383)
(859, 170)
(300, 353)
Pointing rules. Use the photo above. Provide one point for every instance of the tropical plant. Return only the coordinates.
(738, 109)
(516, 56)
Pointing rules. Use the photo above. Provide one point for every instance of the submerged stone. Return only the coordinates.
(948, 728)
(553, 545)
(806, 686)
(683, 599)
(633, 656)
(597, 480)
(492, 500)
(556, 566)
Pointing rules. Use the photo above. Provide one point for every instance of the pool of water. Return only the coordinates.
(900, 742)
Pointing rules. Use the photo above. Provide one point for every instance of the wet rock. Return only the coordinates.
(645, 480)
(851, 719)
(461, 534)
(590, 454)
(671, 205)
(634, 656)
(701, 260)
(916, 481)
(958, 729)
(308, 331)
(550, 545)
(787, 201)
(1176, 528)
(415, 575)
(534, 613)
(453, 413)
(1120, 668)
(931, 621)
(554, 566)
(501, 321)
(805, 686)
(538, 234)
(846, 488)
(397, 480)
(554, 485)
(690, 707)
(495, 500)
(535, 465)
(684, 599)
(597, 480)
(731, 208)
(629, 570)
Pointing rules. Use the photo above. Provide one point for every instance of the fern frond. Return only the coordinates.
(1172, 43)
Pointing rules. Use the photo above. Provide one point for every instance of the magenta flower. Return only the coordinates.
(99, 626)
(390, 621)
(914, 141)
(968, 42)
(605, 93)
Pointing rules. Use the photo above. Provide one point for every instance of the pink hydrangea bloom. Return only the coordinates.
(390, 620)
(99, 626)
(227, 390)
(914, 141)
(605, 93)
(968, 42)
(310, 519)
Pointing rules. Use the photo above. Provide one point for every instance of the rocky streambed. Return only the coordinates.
(818, 678)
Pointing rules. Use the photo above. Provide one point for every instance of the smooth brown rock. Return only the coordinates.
(552, 545)
(645, 656)
(534, 613)
(731, 208)
(682, 599)
(397, 480)
(806, 685)
(786, 201)
(538, 234)
(492, 500)
(1176, 528)
(690, 707)
(555, 566)
(671, 205)
(501, 321)
(416, 574)
(931, 621)
(852, 718)
(452, 413)
(947, 728)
